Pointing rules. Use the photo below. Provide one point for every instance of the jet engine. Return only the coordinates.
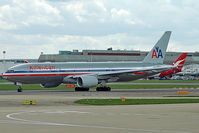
(87, 81)
(49, 85)
(69, 80)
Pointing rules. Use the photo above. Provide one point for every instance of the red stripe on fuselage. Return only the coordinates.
(61, 74)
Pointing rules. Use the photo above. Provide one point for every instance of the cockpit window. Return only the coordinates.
(10, 71)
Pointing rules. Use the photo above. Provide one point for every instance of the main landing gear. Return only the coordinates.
(103, 88)
(19, 85)
(81, 89)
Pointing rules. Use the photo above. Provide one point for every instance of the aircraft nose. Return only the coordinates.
(4, 76)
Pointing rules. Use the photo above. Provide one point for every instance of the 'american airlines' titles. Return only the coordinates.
(41, 67)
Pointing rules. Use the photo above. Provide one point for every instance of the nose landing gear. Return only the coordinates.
(19, 85)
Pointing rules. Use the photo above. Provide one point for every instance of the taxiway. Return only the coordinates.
(56, 112)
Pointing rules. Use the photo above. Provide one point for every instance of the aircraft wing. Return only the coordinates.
(149, 70)
(136, 73)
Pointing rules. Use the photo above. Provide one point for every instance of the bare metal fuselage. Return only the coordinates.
(38, 73)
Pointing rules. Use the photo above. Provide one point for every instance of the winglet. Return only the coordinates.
(157, 53)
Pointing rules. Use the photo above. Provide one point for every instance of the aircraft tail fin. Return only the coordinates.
(180, 61)
(157, 53)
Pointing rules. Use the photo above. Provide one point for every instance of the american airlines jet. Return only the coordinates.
(90, 74)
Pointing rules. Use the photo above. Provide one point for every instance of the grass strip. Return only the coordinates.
(149, 86)
(165, 81)
(181, 96)
(3, 80)
(32, 87)
(134, 101)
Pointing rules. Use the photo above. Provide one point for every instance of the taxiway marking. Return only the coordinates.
(12, 116)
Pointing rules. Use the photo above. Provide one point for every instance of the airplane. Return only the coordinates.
(178, 65)
(90, 74)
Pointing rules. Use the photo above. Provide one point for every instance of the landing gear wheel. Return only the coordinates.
(103, 89)
(19, 89)
(19, 85)
(81, 89)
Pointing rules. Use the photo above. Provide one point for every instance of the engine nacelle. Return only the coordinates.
(87, 81)
(49, 85)
(69, 80)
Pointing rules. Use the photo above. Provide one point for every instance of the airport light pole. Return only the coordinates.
(4, 62)
(4, 53)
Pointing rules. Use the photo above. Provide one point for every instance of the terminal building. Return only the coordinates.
(112, 55)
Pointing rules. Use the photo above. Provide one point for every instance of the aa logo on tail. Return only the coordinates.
(157, 53)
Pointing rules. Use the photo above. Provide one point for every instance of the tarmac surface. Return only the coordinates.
(56, 112)
(113, 93)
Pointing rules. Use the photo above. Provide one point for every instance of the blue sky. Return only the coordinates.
(29, 27)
